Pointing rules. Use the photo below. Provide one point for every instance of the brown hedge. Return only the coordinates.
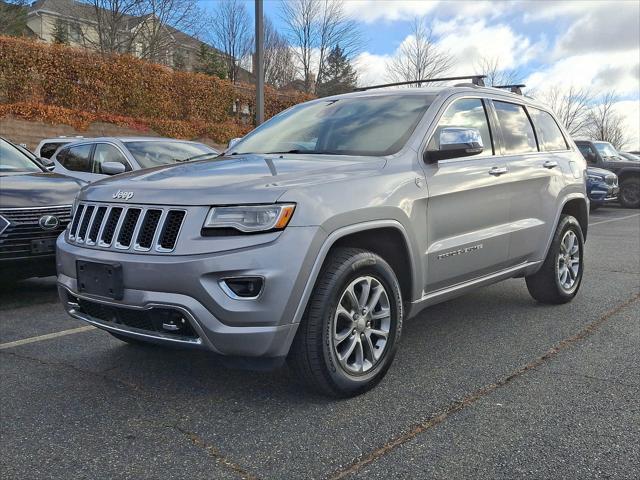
(35, 76)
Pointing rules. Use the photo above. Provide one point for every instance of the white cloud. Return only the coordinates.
(369, 11)
(630, 111)
(371, 68)
(469, 42)
(603, 29)
(598, 71)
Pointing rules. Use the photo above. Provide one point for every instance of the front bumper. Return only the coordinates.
(604, 194)
(190, 285)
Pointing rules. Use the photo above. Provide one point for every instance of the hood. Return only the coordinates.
(228, 180)
(40, 189)
(599, 171)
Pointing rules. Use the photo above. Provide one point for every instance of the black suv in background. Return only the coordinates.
(35, 207)
(604, 155)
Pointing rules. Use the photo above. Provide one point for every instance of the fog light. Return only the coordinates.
(242, 287)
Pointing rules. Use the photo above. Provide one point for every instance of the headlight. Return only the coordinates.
(251, 218)
(596, 178)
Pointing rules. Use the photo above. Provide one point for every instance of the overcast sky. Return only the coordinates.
(582, 43)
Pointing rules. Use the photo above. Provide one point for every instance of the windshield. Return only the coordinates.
(13, 160)
(373, 125)
(606, 149)
(153, 154)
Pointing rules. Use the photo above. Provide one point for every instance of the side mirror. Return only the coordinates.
(456, 142)
(233, 142)
(47, 163)
(112, 168)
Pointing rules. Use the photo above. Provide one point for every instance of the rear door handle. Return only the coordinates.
(550, 164)
(497, 171)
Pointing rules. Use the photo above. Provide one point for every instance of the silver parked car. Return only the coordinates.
(320, 232)
(95, 158)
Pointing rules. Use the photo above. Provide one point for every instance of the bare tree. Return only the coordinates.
(605, 123)
(115, 24)
(164, 23)
(279, 67)
(419, 57)
(315, 27)
(494, 73)
(571, 105)
(231, 33)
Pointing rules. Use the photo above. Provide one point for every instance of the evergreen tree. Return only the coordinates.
(338, 75)
(13, 17)
(60, 33)
(210, 63)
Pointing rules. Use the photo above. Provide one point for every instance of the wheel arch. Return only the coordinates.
(578, 208)
(380, 237)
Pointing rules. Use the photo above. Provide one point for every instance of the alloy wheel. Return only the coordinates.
(568, 264)
(361, 325)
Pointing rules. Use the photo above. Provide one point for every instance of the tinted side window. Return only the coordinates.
(516, 128)
(77, 158)
(549, 135)
(107, 153)
(48, 149)
(469, 113)
(588, 153)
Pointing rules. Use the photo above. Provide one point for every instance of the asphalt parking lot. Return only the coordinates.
(489, 385)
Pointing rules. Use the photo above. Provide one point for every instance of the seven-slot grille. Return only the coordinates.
(132, 227)
(22, 228)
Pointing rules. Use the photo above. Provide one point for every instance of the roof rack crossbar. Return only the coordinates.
(515, 88)
(476, 79)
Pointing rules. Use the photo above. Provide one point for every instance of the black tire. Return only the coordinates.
(545, 285)
(630, 193)
(313, 359)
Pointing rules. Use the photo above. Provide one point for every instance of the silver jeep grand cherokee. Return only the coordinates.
(316, 235)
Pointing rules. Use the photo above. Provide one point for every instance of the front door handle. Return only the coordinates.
(497, 171)
(550, 164)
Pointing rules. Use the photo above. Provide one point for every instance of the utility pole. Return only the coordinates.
(259, 62)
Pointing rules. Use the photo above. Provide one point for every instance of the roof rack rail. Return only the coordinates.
(477, 80)
(515, 88)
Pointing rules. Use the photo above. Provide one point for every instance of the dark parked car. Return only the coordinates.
(602, 186)
(96, 158)
(35, 207)
(604, 155)
(630, 156)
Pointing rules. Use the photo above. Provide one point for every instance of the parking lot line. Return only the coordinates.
(458, 405)
(614, 219)
(48, 336)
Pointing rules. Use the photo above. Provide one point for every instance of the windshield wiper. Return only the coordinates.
(196, 157)
(314, 152)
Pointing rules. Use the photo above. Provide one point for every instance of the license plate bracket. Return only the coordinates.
(43, 245)
(100, 279)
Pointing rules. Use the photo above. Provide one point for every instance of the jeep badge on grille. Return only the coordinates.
(123, 195)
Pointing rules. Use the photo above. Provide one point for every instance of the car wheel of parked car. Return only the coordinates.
(349, 334)
(630, 193)
(559, 278)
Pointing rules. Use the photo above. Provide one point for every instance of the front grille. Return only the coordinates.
(18, 238)
(165, 321)
(133, 227)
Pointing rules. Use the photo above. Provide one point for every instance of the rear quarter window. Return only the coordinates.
(549, 135)
(76, 158)
(48, 149)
